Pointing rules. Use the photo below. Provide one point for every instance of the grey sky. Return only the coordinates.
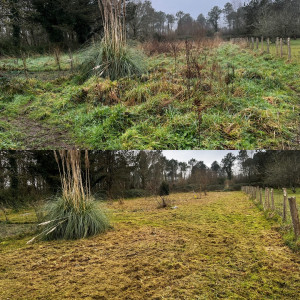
(194, 7)
(208, 156)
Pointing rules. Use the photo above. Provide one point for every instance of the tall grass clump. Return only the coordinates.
(112, 57)
(75, 214)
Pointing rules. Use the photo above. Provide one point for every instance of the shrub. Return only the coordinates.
(164, 189)
(234, 187)
(74, 215)
(163, 202)
(157, 47)
(135, 193)
(66, 222)
(215, 187)
(111, 57)
(103, 60)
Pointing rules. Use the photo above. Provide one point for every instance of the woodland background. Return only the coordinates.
(38, 25)
(28, 177)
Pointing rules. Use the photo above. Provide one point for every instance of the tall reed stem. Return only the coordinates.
(73, 190)
(113, 13)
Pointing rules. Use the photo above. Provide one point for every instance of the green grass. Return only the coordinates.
(155, 111)
(37, 63)
(220, 246)
(21, 216)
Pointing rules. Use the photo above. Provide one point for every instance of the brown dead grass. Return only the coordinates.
(220, 246)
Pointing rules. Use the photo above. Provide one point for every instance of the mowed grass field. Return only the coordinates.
(220, 246)
(228, 98)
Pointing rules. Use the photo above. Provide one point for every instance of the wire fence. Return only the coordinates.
(278, 203)
(280, 47)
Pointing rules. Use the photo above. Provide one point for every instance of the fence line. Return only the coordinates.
(253, 43)
(274, 203)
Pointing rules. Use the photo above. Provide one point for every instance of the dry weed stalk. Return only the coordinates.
(24, 60)
(71, 60)
(57, 55)
(188, 48)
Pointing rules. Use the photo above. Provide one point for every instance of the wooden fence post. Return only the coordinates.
(257, 42)
(260, 196)
(268, 45)
(281, 47)
(272, 200)
(71, 60)
(277, 46)
(252, 43)
(284, 205)
(295, 216)
(289, 49)
(262, 44)
(24, 64)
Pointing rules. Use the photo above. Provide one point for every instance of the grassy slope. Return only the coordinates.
(155, 112)
(217, 246)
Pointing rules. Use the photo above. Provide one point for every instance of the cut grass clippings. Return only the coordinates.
(217, 246)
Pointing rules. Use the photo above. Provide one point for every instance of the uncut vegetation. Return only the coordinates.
(111, 57)
(74, 215)
(217, 246)
(196, 95)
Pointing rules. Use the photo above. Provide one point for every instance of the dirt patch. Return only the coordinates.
(34, 135)
(9, 230)
(39, 75)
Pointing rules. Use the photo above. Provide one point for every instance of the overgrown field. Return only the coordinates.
(220, 246)
(203, 96)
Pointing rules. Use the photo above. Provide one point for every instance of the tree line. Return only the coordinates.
(27, 177)
(40, 24)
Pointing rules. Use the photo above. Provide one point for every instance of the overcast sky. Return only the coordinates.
(194, 7)
(208, 156)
